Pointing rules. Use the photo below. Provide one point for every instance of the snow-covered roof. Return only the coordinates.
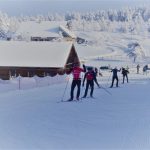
(34, 54)
(42, 29)
(68, 32)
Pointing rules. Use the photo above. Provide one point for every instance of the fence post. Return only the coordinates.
(19, 77)
(36, 80)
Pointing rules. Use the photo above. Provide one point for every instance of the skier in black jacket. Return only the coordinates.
(125, 74)
(115, 76)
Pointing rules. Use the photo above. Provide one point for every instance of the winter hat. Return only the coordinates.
(89, 68)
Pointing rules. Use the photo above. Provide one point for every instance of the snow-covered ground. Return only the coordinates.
(35, 118)
(110, 48)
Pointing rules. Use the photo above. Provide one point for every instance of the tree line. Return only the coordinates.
(125, 20)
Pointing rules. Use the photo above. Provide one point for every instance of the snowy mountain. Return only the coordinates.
(125, 20)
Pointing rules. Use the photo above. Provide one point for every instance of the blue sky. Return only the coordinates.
(33, 7)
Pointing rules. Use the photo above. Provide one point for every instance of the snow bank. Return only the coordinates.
(21, 83)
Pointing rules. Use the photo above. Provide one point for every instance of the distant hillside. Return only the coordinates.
(127, 20)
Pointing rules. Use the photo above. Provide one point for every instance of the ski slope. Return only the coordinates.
(36, 119)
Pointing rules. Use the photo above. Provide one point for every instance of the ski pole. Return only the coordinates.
(106, 90)
(65, 90)
(82, 88)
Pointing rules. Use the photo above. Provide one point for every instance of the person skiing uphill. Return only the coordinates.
(138, 68)
(90, 77)
(76, 72)
(115, 76)
(95, 72)
(145, 68)
(125, 74)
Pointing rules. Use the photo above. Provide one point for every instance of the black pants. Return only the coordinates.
(113, 79)
(91, 84)
(73, 85)
(124, 77)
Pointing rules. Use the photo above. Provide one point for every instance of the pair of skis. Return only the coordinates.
(77, 100)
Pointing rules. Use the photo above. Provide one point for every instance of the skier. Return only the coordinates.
(145, 68)
(76, 71)
(90, 77)
(138, 68)
(125, 74)
(95, 72)
(115, 76)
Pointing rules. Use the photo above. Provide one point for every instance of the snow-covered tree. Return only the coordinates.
(8, 26)
(135, 51)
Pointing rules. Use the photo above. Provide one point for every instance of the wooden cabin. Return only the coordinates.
(44, 31)
(39, 31)
(38, 38)
(36, 58)
(44, 36)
